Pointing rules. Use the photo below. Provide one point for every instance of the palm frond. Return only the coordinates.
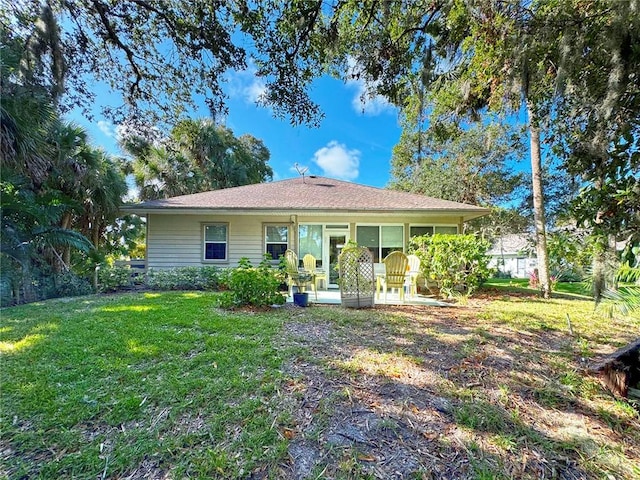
(62, 237)
(625, 299)
(628, 274)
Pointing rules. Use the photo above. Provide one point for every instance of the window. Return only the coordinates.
(276, 239)
(310, 241)
(521, 266)
(215, 241)
(381, 240)
(392, 239)
(447, 230)
(369, 237)
(419, 230)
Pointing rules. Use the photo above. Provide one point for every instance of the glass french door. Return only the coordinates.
(334, 243)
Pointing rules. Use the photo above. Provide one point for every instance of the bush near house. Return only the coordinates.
(253, 286)
(452, 262)
(187, 278)
(242, 286)
(113, 278)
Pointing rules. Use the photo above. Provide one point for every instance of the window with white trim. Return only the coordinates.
(215, 241)
(380, 239)
(310, 240)
(276, 239)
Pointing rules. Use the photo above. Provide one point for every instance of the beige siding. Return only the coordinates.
(176, 239)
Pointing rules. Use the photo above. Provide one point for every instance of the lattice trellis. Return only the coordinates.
(357, 278)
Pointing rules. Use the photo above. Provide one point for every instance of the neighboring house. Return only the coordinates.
(512, 254)
(309, 214)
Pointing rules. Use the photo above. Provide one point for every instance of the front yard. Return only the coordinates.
(163, 385)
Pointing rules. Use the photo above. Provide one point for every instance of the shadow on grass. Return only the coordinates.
(491, 399)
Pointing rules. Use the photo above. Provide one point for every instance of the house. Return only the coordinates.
(309, 214)
(513, 255)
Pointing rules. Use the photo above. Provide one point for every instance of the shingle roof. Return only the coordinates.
(309, 193)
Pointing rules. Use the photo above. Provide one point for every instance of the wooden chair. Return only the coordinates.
(294, 276)
(395, 274)
(414, 273)
(309, 262)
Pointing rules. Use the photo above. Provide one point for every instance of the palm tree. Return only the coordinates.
(29, 226)
(26, 117)
(197, 156)
(104, 190)
(73, 162)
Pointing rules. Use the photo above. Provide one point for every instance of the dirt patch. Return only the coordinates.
(427, 393)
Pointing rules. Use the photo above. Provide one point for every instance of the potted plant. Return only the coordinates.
(300, 297)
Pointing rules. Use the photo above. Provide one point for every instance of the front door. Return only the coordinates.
(334, 242)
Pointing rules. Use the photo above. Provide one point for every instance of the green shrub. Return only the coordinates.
(163, 279)
(41, 285)
(210, 278)
(66, 284)
(111, 279)
(249, 286)
(455, 263)
(185, 278)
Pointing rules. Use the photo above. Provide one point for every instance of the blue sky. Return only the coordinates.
(354, 140)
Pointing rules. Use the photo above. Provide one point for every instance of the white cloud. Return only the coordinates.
(255, 90)
(337, 161)
(247, 85)
(107, 128)
(374, 105)
(365, 101)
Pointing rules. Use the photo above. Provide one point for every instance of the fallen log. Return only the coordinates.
(620, 371)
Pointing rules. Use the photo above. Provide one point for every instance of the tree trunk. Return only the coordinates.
(66, 250)
(603, 266)
(538, 205)
(599, 267)
(96, 232)
(600, 244)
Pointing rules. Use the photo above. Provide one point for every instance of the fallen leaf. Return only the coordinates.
(367, 458)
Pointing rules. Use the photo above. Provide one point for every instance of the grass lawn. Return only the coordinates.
(163, 385)
(138, 384)
(522, 285)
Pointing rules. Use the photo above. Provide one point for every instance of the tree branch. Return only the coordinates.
(115, 39)
(314, 11)
(146, 5)
(421, 28)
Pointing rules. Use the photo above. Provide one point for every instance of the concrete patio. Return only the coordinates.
(332, 297)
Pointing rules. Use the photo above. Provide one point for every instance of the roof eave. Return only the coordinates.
(466, 214)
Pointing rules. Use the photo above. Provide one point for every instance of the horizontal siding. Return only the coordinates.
(176, 240)
(245, 239)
